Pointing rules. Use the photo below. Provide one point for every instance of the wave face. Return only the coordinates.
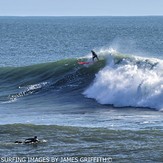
(128, 81)
(45, 79)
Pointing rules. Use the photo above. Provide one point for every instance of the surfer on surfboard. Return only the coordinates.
(33, 140)
(94, 55)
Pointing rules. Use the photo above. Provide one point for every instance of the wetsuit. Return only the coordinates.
(94, 55)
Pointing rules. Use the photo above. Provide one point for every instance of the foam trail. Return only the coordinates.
(129, 81)
(31, 89)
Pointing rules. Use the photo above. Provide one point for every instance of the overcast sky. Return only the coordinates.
(80, 7)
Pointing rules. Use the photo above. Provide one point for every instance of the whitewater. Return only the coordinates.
(128, 81)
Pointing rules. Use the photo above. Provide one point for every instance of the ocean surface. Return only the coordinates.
(107, 111)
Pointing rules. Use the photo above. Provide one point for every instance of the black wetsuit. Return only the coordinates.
(28, 141)
(31, 140)
(94, 55)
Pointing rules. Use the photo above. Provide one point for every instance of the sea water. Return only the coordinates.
(109, 111)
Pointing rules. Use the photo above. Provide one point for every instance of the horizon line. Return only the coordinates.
(80, 15)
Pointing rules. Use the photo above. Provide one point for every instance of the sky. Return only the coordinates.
(81, 7)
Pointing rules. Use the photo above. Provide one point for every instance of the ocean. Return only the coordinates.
(106, 111)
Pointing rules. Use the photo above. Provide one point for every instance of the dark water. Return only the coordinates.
(110, 109)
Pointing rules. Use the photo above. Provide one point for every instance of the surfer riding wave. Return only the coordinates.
(94, 55)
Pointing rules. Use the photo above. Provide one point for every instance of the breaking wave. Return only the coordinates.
(117, 79)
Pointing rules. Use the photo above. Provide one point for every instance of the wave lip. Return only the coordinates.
(129, 81)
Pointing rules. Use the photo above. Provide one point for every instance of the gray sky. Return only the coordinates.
(80, 7)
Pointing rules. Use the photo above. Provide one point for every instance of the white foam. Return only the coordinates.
(27, 90)
(134, 81)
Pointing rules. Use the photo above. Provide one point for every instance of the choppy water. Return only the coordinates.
(110, 109)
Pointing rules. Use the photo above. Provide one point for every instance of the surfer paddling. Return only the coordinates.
(33, 140)
(94, 55)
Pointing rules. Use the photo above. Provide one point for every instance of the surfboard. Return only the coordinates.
(84, 63)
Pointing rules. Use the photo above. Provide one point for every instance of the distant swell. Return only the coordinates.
(129, 81)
